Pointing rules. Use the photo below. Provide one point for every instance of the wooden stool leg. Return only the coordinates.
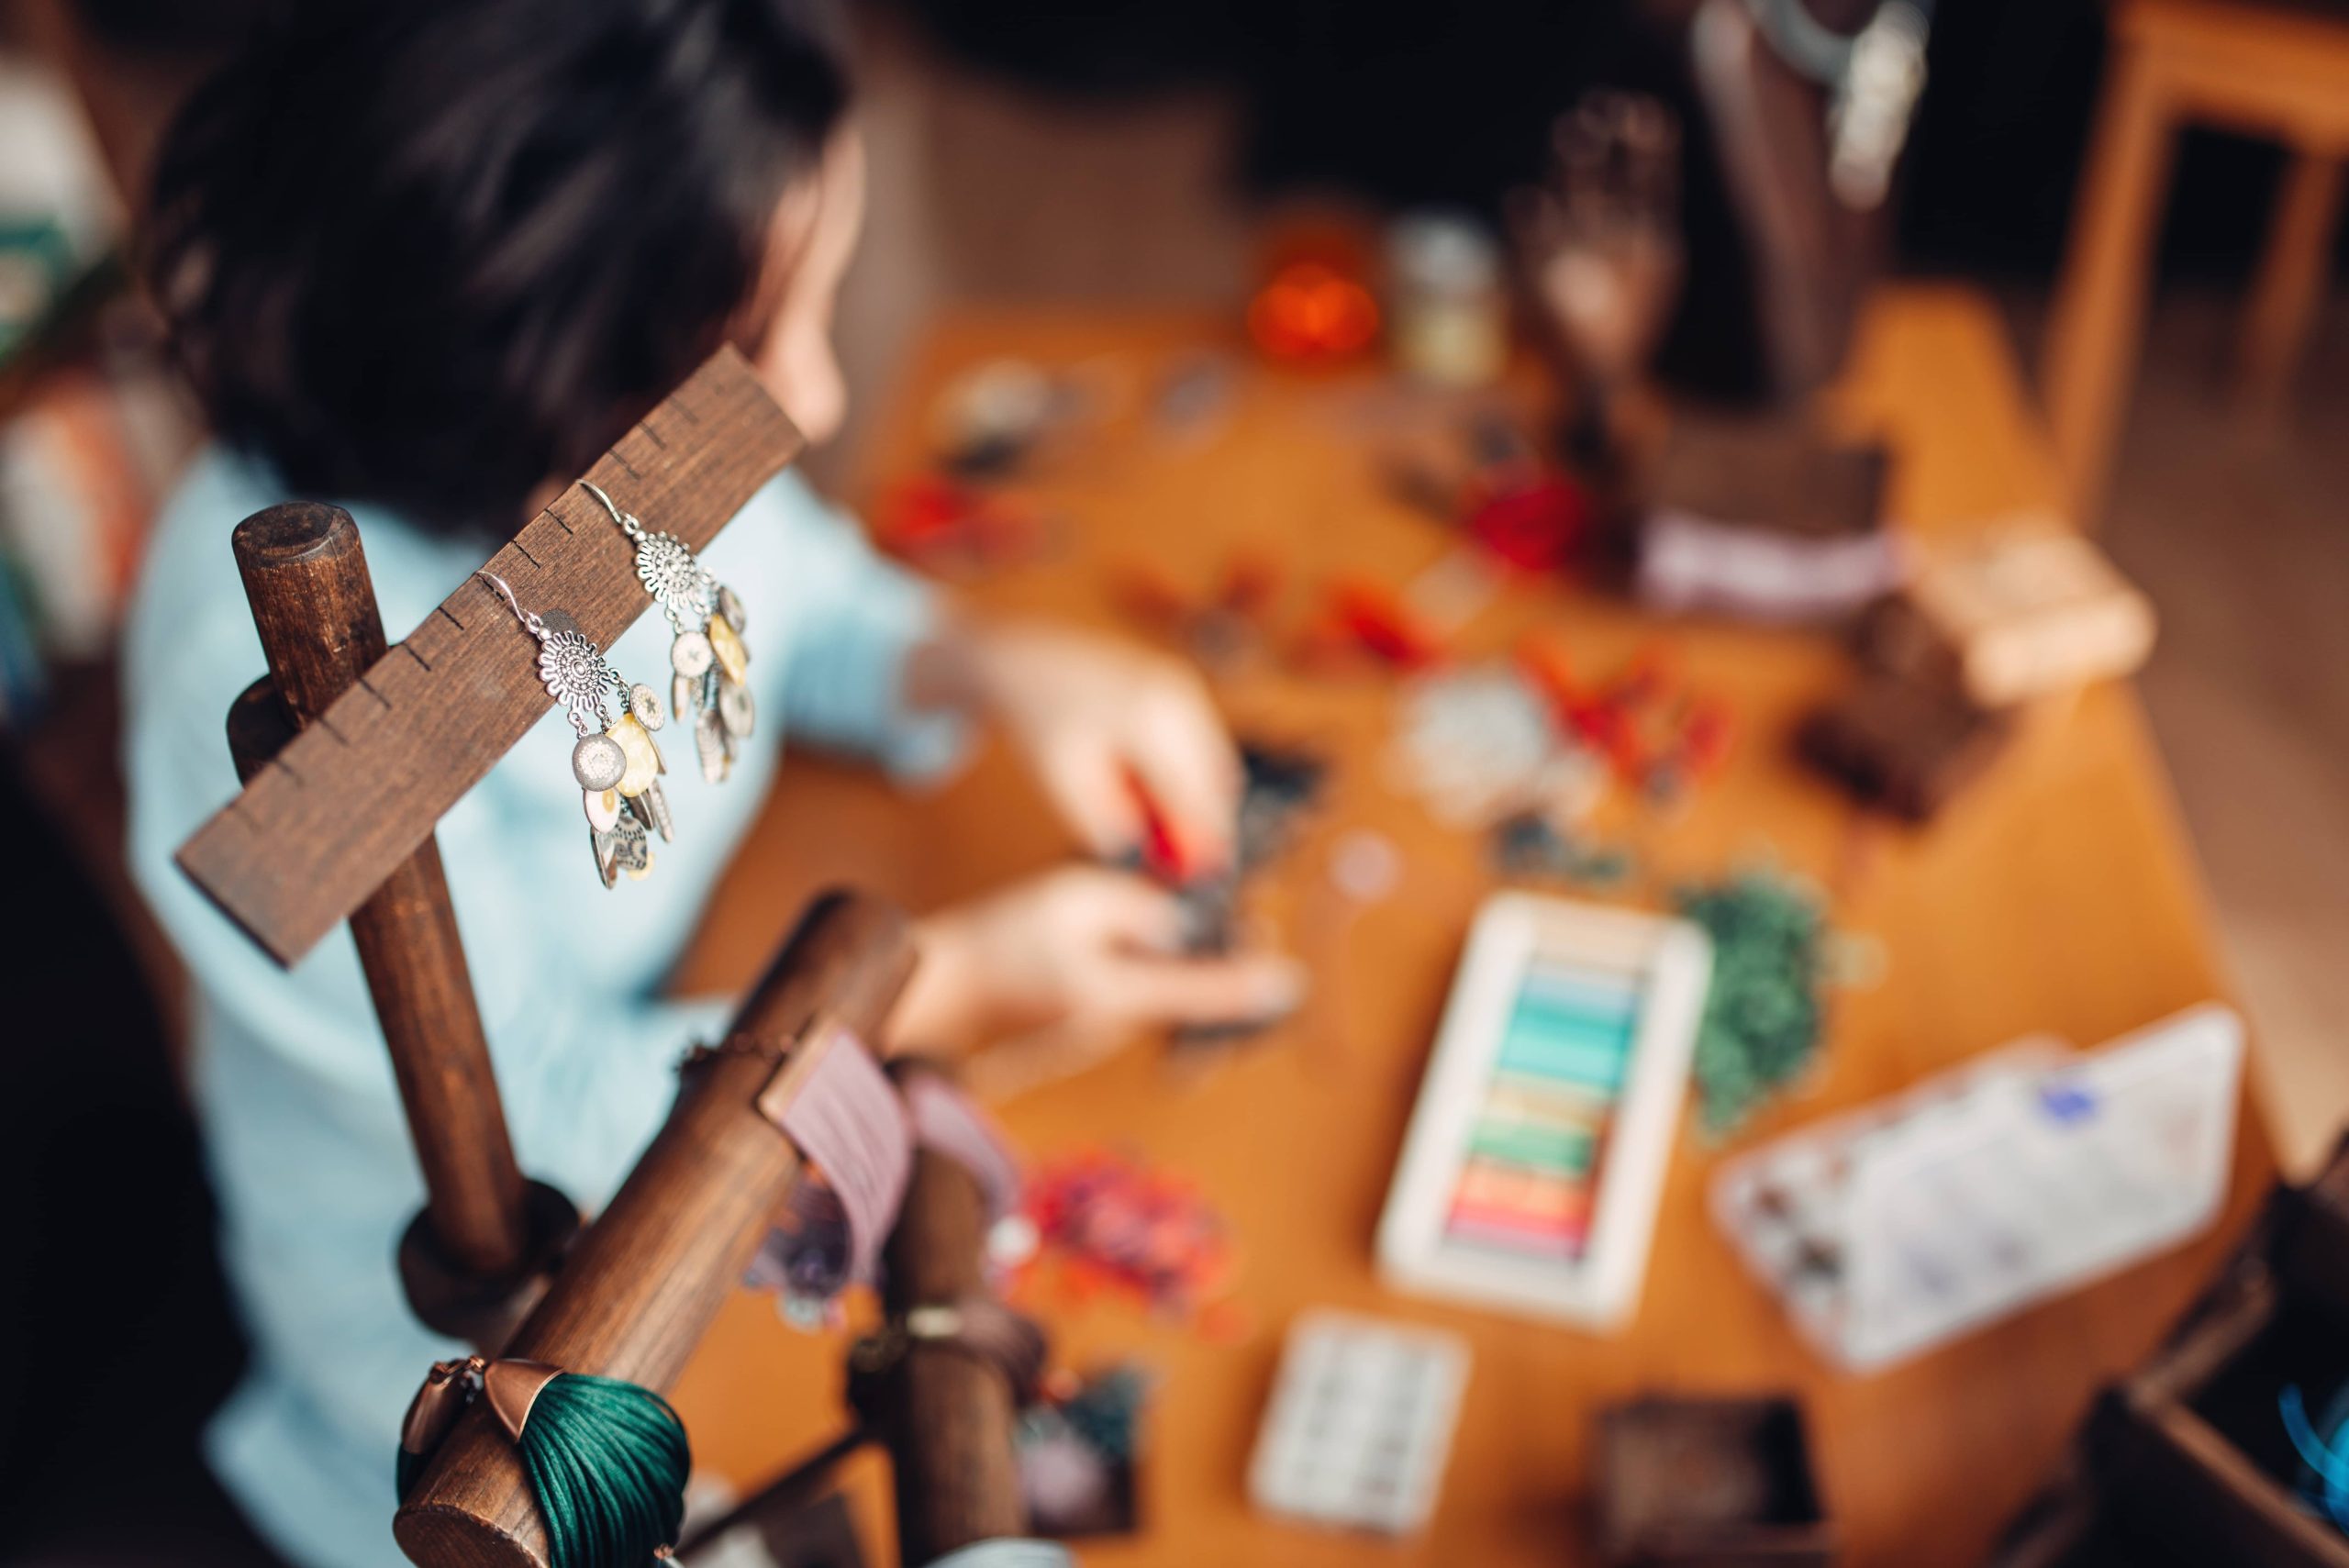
(2099, 311)
(2293, 270)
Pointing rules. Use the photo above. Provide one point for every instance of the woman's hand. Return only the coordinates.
(1105, 725)
(1070, 965)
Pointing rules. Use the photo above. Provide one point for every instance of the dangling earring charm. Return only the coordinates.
(616, 765)
(709, 687)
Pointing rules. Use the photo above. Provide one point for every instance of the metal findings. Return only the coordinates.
(710, 665)
(615, 762)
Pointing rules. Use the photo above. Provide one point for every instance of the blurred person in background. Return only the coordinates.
(427, 260)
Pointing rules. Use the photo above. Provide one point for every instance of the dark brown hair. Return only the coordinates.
(428, 253)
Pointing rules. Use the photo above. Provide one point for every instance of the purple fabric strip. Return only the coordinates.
(849, 1124)
(944, 1120)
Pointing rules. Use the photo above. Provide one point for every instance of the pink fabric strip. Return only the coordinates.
(945, 1119)
(848, 1122)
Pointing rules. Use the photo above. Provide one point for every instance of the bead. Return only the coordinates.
(691, 654)
(598, 762)
(732, 657)
(635, 743)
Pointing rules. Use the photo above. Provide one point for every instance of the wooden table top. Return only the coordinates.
(2060, 894)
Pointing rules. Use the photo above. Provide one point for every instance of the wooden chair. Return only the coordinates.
(2258, 67)
(324, 831)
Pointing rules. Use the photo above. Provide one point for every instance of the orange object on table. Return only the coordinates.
(2064, 897)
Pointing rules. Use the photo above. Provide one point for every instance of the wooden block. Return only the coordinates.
(317, 830)
(1708, 1484)
(2028, 608)
(1902, 746)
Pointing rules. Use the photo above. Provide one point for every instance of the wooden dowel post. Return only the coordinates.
(949, 1414)
(484, 1235)
(641, 1284)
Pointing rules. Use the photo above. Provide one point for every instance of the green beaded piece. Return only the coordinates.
(1763, 1015)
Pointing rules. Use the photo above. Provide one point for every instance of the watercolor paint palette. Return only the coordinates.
(1537, 1152)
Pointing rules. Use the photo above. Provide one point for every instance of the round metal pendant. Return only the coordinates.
(729, 605)
(656, 801)
(691, 654)
(603, 808)
(670, 575)
(727, 647)
(572, 670)
(710, 748)
(597, 763)
(735, 709)
(643, 758)
(643, 702)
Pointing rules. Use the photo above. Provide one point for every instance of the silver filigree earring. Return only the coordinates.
(707, 653)
(616, 765)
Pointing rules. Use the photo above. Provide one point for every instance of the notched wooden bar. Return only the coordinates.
(355, 794)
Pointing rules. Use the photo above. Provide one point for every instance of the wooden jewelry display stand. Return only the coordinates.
(336, 822)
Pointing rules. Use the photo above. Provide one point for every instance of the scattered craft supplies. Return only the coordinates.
(1360, 616)
(1504, 739)
(1765, 520)
(1481, 743)
(1687, 1483)
(1530, 848)
(1763, 1016)
(1079, 1448)
(943, 524)
(992, 419)
(1220, 629)
(2019, 1175)
(1105, 1223)
(1360, 1423)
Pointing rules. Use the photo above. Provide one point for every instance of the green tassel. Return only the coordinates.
(608, 1460)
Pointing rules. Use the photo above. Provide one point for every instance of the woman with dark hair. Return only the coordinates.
(427, 259)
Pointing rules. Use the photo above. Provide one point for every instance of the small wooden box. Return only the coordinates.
(2025, 609)
(2192, 1448)
(2071, 1526)
(1708, 1484)
(1902, 747)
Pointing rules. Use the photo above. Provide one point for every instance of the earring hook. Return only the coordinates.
(627, 521)
(505, 590)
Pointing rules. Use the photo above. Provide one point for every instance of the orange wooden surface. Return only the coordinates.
(2060, 894)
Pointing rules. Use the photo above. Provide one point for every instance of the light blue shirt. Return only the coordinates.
(308, 1150)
